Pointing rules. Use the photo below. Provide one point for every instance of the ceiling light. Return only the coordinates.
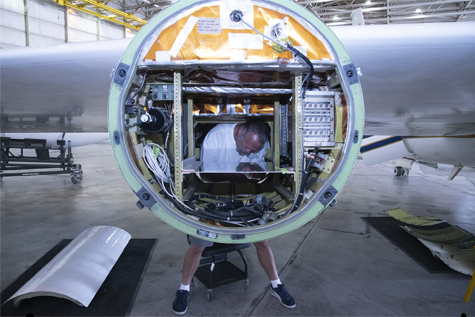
(368, 2)
(418, 10)
(335, 17)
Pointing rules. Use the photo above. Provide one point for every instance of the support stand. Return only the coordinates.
(42, 163)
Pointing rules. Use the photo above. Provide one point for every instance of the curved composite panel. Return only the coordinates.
(79, 270)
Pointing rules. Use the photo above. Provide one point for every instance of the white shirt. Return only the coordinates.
(219, 146)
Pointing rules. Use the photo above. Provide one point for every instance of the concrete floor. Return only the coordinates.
(336, 266)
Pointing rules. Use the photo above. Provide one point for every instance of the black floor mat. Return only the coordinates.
(114, 298)
(389, 228)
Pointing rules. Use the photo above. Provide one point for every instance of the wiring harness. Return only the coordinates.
(257, 210)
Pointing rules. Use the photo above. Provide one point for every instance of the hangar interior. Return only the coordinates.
(336, 265)
(34, 23)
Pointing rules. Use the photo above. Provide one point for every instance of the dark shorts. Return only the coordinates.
(201, 242)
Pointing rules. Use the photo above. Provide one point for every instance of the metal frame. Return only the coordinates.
(42, 161)
(177, 140)
(96, 8)
(297, 142)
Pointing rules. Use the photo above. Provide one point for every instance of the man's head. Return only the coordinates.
(251, 136)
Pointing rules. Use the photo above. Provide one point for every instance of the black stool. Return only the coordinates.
(215, 269)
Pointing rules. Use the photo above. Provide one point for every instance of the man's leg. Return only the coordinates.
(190, 265)
(277, 289)
(266, 258)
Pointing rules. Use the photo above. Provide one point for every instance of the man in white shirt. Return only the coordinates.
(242, 142)
(228, 143)
(228, 146)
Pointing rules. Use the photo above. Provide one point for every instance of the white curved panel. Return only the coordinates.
(450, 150)
(462, 261)
(78, 271)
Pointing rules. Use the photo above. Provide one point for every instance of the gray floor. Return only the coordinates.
(336, 266)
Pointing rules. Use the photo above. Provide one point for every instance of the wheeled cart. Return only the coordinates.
(42, 163)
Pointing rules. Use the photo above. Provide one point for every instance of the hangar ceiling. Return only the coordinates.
(339, 12)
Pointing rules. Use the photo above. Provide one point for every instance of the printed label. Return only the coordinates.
(209, 26)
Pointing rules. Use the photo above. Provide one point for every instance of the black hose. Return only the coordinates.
(303, 181)
(197, 212)
(300, 195)
(140, 88)
(305, 58)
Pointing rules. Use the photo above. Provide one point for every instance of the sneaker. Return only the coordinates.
(283, 296)
(180, 304)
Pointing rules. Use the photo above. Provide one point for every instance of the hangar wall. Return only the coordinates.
(34, 23)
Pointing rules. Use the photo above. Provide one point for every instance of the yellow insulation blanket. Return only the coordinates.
(201, 36)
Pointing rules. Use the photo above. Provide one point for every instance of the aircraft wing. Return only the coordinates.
(57, 88)
(417, 80)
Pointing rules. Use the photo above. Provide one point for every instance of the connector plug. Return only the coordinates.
(236, 16)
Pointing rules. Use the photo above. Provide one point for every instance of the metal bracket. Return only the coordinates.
(206, 234)
(116, 137)
(351, 73)
(328, 196)
(121, 73)
(237, 236)
(145, 199)
(355, 137)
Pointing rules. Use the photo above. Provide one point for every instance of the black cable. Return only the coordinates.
(197, 212)
(303, 181)
(141, 86)
(305, 58)
(233, 210)
(237, 16)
